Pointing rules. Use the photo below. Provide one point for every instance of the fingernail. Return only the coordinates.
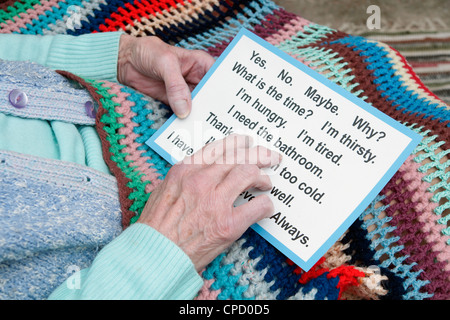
(275, 153)
(181, 108)
(277, 160)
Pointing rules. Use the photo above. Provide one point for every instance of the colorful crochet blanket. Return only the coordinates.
(399, 248)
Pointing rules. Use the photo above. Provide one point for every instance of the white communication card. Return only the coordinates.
(338, 151)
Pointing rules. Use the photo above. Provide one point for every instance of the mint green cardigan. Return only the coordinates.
(140, 263)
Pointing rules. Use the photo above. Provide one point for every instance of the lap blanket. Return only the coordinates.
(399, 248)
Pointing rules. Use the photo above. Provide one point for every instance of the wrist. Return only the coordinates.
(124, 57)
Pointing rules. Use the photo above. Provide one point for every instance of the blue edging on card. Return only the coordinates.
(415, 140)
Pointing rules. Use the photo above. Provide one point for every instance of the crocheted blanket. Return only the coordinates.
(399, 248)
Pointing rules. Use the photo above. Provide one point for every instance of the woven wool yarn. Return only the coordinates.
(399, 248)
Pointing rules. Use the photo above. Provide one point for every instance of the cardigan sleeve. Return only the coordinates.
(139, 264)
(91, 56)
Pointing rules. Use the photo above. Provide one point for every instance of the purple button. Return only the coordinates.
(18, 98)
(90, 111)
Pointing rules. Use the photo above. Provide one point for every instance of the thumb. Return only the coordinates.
(178, 93)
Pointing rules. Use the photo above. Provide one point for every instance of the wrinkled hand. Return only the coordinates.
(162, 71)
(193, 206)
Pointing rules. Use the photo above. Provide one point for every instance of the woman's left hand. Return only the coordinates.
(162, 71)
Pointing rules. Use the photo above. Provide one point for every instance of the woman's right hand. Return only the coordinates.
(193, 206)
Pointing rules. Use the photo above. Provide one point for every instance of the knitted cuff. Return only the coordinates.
(141, 264)
(92, 56)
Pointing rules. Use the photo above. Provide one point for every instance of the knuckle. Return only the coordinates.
(263, 152)
(176, 87)
(198, 182)
(168, 56)
(246, 173)
(250, 171)
(224, 232)
(265, 181)
(177, 170)
(266, 203)
(203, 54)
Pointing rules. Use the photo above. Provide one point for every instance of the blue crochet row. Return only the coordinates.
(145, 131)
(392, 87)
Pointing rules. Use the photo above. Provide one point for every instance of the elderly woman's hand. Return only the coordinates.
(193, 207)
(161, 71)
